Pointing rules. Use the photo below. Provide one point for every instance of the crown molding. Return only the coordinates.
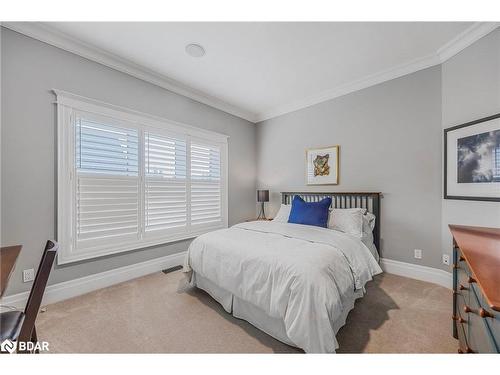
(371, 80)
(49, 35)
(450, 49)
(465, 39)
(45, 33)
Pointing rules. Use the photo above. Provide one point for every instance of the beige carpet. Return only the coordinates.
(398, 315)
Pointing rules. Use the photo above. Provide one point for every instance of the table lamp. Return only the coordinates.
(262, 196)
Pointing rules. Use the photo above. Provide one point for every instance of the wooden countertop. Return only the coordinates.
(481, 249)
(8, 257)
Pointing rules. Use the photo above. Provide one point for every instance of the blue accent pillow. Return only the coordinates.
(310, 213)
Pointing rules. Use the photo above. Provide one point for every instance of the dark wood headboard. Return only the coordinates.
(370, 201)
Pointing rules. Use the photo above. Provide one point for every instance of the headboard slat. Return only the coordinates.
(370, 201)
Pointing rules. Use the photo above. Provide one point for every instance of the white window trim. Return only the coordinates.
(67, 104)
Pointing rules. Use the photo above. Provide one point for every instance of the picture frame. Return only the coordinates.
(472, 160)
(322, 165)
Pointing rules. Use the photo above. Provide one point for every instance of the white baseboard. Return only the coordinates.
(72, 288)
(415, 271)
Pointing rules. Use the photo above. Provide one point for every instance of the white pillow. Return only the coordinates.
(368, 222)
(283, 214)
(347, 220)
(367, 239)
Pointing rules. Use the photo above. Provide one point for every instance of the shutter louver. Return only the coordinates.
(107, 183)
(206, 195)
(165, 183)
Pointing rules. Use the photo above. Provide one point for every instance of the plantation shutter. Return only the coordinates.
(128, 180)
(107, 182)
(165, 183)
(206, 188)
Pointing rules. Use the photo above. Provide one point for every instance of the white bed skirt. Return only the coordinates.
(274, 327)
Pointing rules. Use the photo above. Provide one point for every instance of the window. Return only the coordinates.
(128, 180)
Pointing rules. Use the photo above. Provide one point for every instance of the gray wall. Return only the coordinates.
(30, 69)
(390, 141)
(471, 90)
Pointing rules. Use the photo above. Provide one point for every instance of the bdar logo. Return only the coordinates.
(8, 346)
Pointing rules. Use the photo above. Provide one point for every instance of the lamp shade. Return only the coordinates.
(262, 195)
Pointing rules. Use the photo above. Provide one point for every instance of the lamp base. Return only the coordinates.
(262, 214)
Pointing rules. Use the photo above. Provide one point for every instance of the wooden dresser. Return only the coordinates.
(476, 288)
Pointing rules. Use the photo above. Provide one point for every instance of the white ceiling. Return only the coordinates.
(260, 70)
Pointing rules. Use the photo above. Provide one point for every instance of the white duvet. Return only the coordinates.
(301, 274)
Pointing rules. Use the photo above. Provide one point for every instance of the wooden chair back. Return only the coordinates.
(37, 290)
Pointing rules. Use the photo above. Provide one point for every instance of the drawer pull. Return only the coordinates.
(467, 350)
(458, 319)
(461, 287)
(467, 309)
(485, 313)
(471, 280)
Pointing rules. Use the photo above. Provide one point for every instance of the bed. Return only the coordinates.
(295, 282)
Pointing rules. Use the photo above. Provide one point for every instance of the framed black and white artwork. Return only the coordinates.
(472, 160)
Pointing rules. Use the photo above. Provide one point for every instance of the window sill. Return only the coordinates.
(70, 256)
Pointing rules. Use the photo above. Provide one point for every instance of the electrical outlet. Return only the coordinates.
(28, 275)
(418, 254)
(446, 259)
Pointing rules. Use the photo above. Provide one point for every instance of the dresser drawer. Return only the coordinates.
(463, 286)
(461, 263)
(461, 303)
(463, 346)
(491, 318)
(460, 323)
(479, 335)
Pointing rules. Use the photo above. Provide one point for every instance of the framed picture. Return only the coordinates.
(472, 160)
(322, 166)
